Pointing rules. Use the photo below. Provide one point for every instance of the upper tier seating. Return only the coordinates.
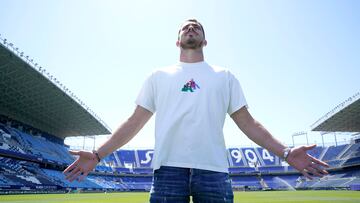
(23, 143)
(333, 152)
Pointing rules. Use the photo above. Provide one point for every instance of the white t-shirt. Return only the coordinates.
(191, 101)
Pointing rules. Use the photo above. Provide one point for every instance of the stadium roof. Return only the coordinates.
(34, 97)
(345, 117)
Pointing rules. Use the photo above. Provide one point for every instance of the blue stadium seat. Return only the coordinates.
(333, 152)
(59, 178)
(316, 151)
(45, 149)
(246, 181)
(281, 182)
(352, 151)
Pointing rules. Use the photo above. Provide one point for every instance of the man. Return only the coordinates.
(191, 100)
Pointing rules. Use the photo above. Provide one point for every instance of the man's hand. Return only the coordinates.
(80, 168)
(87, 161)
(305, 163)
(298, 157)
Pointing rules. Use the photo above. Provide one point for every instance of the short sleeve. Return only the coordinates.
(237, 98)
(146, 95)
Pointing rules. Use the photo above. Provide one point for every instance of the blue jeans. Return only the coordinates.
(176, 185)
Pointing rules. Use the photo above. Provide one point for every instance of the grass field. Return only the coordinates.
(241, 197)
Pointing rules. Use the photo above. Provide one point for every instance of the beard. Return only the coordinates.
(191, 43)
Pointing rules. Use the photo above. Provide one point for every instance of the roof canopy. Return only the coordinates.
(30, 95)
(343, 118)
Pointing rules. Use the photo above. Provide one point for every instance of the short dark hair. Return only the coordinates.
(191, 20)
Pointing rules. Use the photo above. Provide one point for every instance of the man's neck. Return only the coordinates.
(191, 56)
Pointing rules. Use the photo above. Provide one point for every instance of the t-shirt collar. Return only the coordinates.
(196, 64)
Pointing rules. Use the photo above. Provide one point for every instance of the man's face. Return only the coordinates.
(191, 36)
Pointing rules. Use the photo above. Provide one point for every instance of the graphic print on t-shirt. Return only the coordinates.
(190, 86)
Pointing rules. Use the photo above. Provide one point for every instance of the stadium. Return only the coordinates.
(37, 113)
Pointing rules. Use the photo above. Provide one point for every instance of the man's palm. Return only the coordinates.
(81, 167)
(305, 163)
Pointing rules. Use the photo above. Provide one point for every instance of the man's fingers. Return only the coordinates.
(314, 171)
(309, 147)
(71, 173)
(71, 167)
(82, 176)
(74, 176)
(74, 152)
(304, 172)
(319, 168)
(324, 172)
(319, 162)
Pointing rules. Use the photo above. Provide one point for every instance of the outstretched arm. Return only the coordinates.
(87, 161)
(298, 156)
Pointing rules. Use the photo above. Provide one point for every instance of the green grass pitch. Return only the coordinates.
(241, 197)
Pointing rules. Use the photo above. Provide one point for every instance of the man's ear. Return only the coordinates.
(177, 43)
(204, 43)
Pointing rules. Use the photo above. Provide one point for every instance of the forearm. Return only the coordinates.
(119, 138)
(256, 132)
(125, 132)
(262, 137)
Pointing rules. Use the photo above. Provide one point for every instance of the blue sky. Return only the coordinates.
(296, 60)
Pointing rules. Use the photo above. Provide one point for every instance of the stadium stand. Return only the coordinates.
(251, 168)
(127, 158)
(33, 154)
(316, 152)
(38, 146)
(332, 152)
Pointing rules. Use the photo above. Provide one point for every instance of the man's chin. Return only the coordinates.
(190, 46)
